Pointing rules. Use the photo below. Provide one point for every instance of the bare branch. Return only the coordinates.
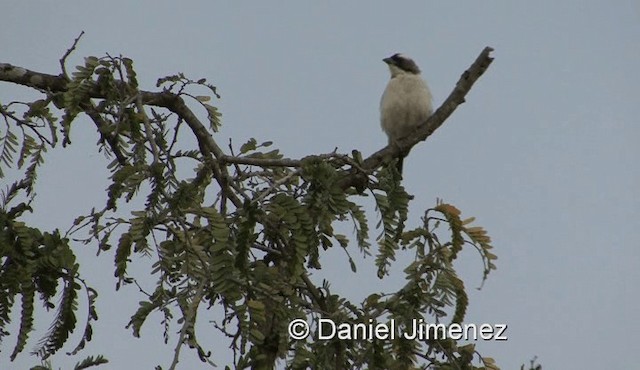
(148, 130)
(63, 60)
(424, 130)
(285, 162)
(36, 80)
(262, 162)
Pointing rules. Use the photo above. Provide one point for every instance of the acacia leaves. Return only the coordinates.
(43, 264)
(244, 230)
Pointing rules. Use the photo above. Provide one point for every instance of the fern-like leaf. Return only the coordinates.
(26, 320)
(90, 361)
(64, 322)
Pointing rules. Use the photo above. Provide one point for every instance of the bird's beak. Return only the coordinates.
(387, 60)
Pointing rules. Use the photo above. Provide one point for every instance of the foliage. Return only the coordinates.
(532, 365)
(244, 233)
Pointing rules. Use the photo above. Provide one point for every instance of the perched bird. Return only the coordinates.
(405, 102)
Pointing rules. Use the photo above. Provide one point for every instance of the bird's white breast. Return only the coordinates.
(405, 103)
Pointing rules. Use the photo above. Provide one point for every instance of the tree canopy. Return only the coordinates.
(242, 228)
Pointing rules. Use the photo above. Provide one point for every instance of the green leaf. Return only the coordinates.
(248, 146)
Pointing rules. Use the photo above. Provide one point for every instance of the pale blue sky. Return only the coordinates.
(544, 152)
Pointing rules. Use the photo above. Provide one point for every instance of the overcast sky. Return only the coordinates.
(544, 152)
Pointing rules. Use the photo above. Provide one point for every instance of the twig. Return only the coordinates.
(189, 313)
(63, 60)
(102, 126)
(148, 130)
(275, 185)
(262, 162)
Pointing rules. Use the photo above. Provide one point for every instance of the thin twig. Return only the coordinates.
(63, 60)
(148, 130)
(275, 185)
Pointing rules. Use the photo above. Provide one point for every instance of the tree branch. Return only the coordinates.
(262, 162)
(63, 60)
(102, 125)
(172, 102)
(424, 130)
(207, 145)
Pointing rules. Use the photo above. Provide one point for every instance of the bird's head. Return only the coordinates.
(401, 64)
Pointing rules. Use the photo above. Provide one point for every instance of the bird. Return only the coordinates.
(405, 102)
